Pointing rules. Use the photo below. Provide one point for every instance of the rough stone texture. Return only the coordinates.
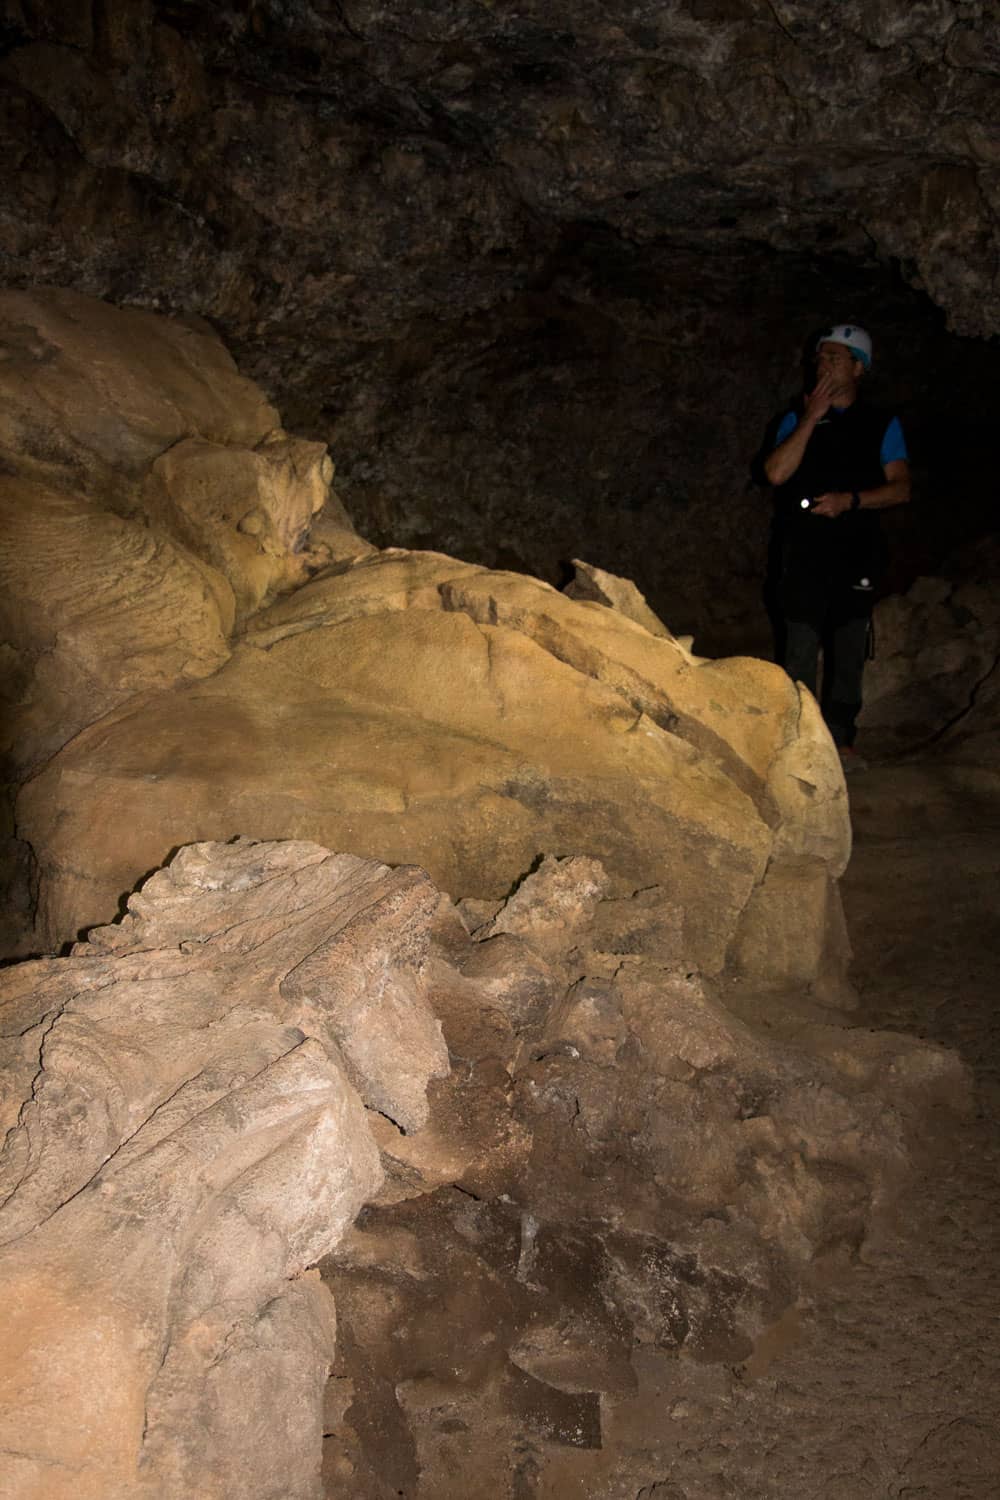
(594, 1154)
(937, 649)
(185, 1135)
(883, 1378)
(686, 1153)
(94, 609)
(589, 582)
(423, 711)
(148, 418)
(717, 109)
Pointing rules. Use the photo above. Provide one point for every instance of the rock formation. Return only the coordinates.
(600, 1151)
(404, 706)
(150, 499)
(186, 1136)
(937, 650)
(423, 711)
(560, 1023)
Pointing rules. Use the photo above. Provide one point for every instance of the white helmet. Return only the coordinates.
(855, 338)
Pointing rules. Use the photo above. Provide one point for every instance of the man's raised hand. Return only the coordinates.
(820, 398)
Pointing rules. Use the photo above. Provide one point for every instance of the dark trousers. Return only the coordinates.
(845, 647)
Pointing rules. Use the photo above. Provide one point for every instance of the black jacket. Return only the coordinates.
(824, 560)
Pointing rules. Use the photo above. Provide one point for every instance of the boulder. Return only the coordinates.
(95, 609)
(94, 394)
(559, 1145)
(936, 651)
(684, 1150)
(607, 588)
(174, 676)
(423, 711)
(186, 1133)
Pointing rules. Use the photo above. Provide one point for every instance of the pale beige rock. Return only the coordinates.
(406, 706)
(97, 392)
(553, 904)
(251, 1424)
(363, 935)
(391, 580)
(806, 780)
(793, 926)
(332, 534)
(186, 1136)
(177, 1245)
(418, 736)
(738, 713)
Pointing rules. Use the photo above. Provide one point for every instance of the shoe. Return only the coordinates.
(851, 762)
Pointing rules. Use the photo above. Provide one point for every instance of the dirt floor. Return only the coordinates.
(885, 1380)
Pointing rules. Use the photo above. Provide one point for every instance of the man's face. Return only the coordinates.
(837, 361)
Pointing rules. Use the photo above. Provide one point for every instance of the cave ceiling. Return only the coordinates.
(387, 208)
(270, 164)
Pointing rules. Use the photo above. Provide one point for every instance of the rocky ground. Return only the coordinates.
(884, 1381)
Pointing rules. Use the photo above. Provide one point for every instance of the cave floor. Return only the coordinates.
(884, 1380)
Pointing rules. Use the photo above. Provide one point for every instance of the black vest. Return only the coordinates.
(843, 454)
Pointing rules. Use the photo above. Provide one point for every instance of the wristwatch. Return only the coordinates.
(855, 500)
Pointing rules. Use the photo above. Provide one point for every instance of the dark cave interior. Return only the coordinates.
(541, 275)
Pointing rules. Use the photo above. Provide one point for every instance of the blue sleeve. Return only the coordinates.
(893, 443)
(787, 426)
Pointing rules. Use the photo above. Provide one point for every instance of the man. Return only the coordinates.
(835, 465)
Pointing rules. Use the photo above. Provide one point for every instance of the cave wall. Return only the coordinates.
(613, 411)
(539, 275)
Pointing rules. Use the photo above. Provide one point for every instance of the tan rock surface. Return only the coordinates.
(418, 736)
(148, 500)
(99, 391)
(247, 512)
(416, 709)
(97, 609)
(148, 494)
(589, 582)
